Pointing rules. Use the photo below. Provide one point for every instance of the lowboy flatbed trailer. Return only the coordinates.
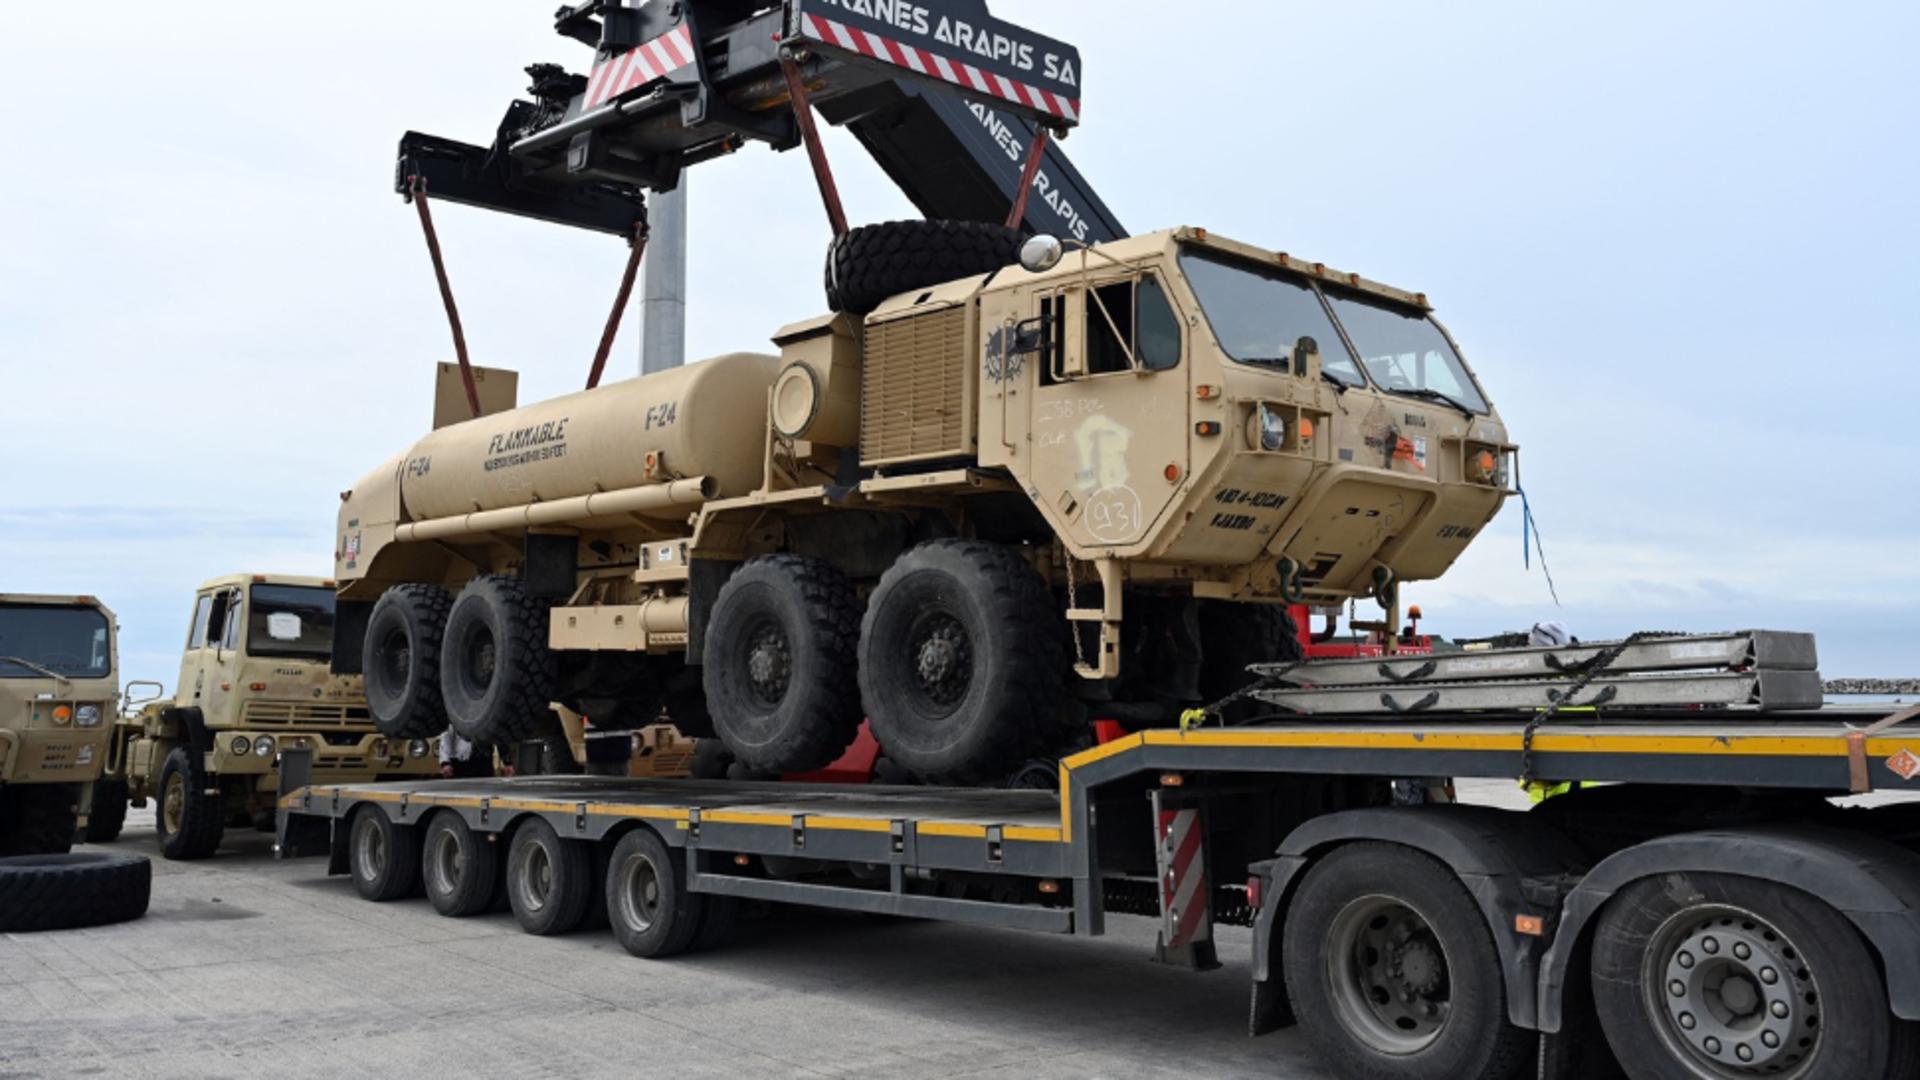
(1696, 904)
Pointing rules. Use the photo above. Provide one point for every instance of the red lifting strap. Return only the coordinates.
(639, 246)
(419, 193)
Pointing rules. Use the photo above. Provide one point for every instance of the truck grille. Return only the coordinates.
(303, 713)
(914, 394)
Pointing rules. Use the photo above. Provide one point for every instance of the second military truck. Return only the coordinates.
(999, 495)
(253, 683)
(58, 694)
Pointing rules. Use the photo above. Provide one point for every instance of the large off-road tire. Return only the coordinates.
(107, 810)
(383, 856)
(38, 819)
(1234, 635)
(779, 667)
(190, 822)
(869, 264)
(1713, 975)
(401, 661)
(497, 674)
(962, 662)
(648, 905)
(62, 892)
(1393, 972)
(550, 881)
(459, 867)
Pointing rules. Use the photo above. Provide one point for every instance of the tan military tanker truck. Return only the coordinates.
(58, 694)
(1004, 495)
(254, 681)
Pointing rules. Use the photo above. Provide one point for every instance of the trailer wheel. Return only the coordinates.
(63, 892)
(549, 880)
(106, 810)
(189, 821)
(1235, 635)
(498, 675)
(961, 662)
(383, 856)
(459, 867)
(37, 819)
(1714, 976)
(648, 904)
(400, 662)
(867, 265)
(779, 669)
(1393, 972)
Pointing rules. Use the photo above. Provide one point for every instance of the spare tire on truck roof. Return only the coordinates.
(867, 265)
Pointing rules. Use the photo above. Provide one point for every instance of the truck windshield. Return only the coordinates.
(72, 641)
(1259, 315)
(1404, 351)
(294, 621)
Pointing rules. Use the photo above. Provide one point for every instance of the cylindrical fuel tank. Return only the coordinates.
(702, 420)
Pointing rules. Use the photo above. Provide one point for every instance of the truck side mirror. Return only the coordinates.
(1033, 335)
(1306, 359)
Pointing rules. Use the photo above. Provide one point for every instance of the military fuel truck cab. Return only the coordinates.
(254, 681)
(974, 511)
(58, 693)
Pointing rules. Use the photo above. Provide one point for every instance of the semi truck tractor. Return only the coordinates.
(58, 695)
(253, 684)
(1005, 483)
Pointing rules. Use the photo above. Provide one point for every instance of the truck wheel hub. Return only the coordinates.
(943, 659)
(769, 664)
(1736, 993)
(1389, 975)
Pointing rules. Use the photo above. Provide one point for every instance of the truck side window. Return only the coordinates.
(1140, 311)
(230, 636)
(1053, 309)
(219, 618)
(202, 615)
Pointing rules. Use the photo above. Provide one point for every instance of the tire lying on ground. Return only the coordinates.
(496, 672)
(962, 663)
(871, 263)
(62, 892)
(779, 669)
(401, 661)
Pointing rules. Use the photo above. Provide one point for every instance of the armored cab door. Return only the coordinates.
(1110, 409)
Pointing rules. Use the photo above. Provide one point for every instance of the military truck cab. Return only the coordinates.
(58, 693)
(253, 682)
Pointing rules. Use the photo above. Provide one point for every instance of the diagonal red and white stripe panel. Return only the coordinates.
(640, 65)
(963, 75)
(1183, 878)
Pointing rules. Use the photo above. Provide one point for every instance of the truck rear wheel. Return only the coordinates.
(779, 669)
(106, 810)
(497, 675)
(190, 821)
(1714, 976)
(37, 819)
(1393, 972)
(63, 892)
(460, 868)
(867, 265)
(648, 904)
(401, 662)
(962, 661)
(384, 856)
(549, 880)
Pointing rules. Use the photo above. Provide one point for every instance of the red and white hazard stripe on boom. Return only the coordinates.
(963, 75)
(639, 66)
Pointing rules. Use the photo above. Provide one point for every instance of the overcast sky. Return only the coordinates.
(1677, 241)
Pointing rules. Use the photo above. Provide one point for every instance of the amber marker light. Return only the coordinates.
(256, 687)
(1305, 429)
(1208, 428)
(1173, 474)
(1205, 392)
(62, 714)
(1530, 925)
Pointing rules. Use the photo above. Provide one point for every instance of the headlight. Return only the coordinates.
(417, 748)
(1273, 429)
(240, 745)
(87, 716)
(263, 746)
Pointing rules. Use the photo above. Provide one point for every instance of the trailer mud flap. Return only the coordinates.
(297, 835)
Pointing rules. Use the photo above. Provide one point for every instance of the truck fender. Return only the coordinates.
(1873, 883)
(190, 725)
(1503, 858)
